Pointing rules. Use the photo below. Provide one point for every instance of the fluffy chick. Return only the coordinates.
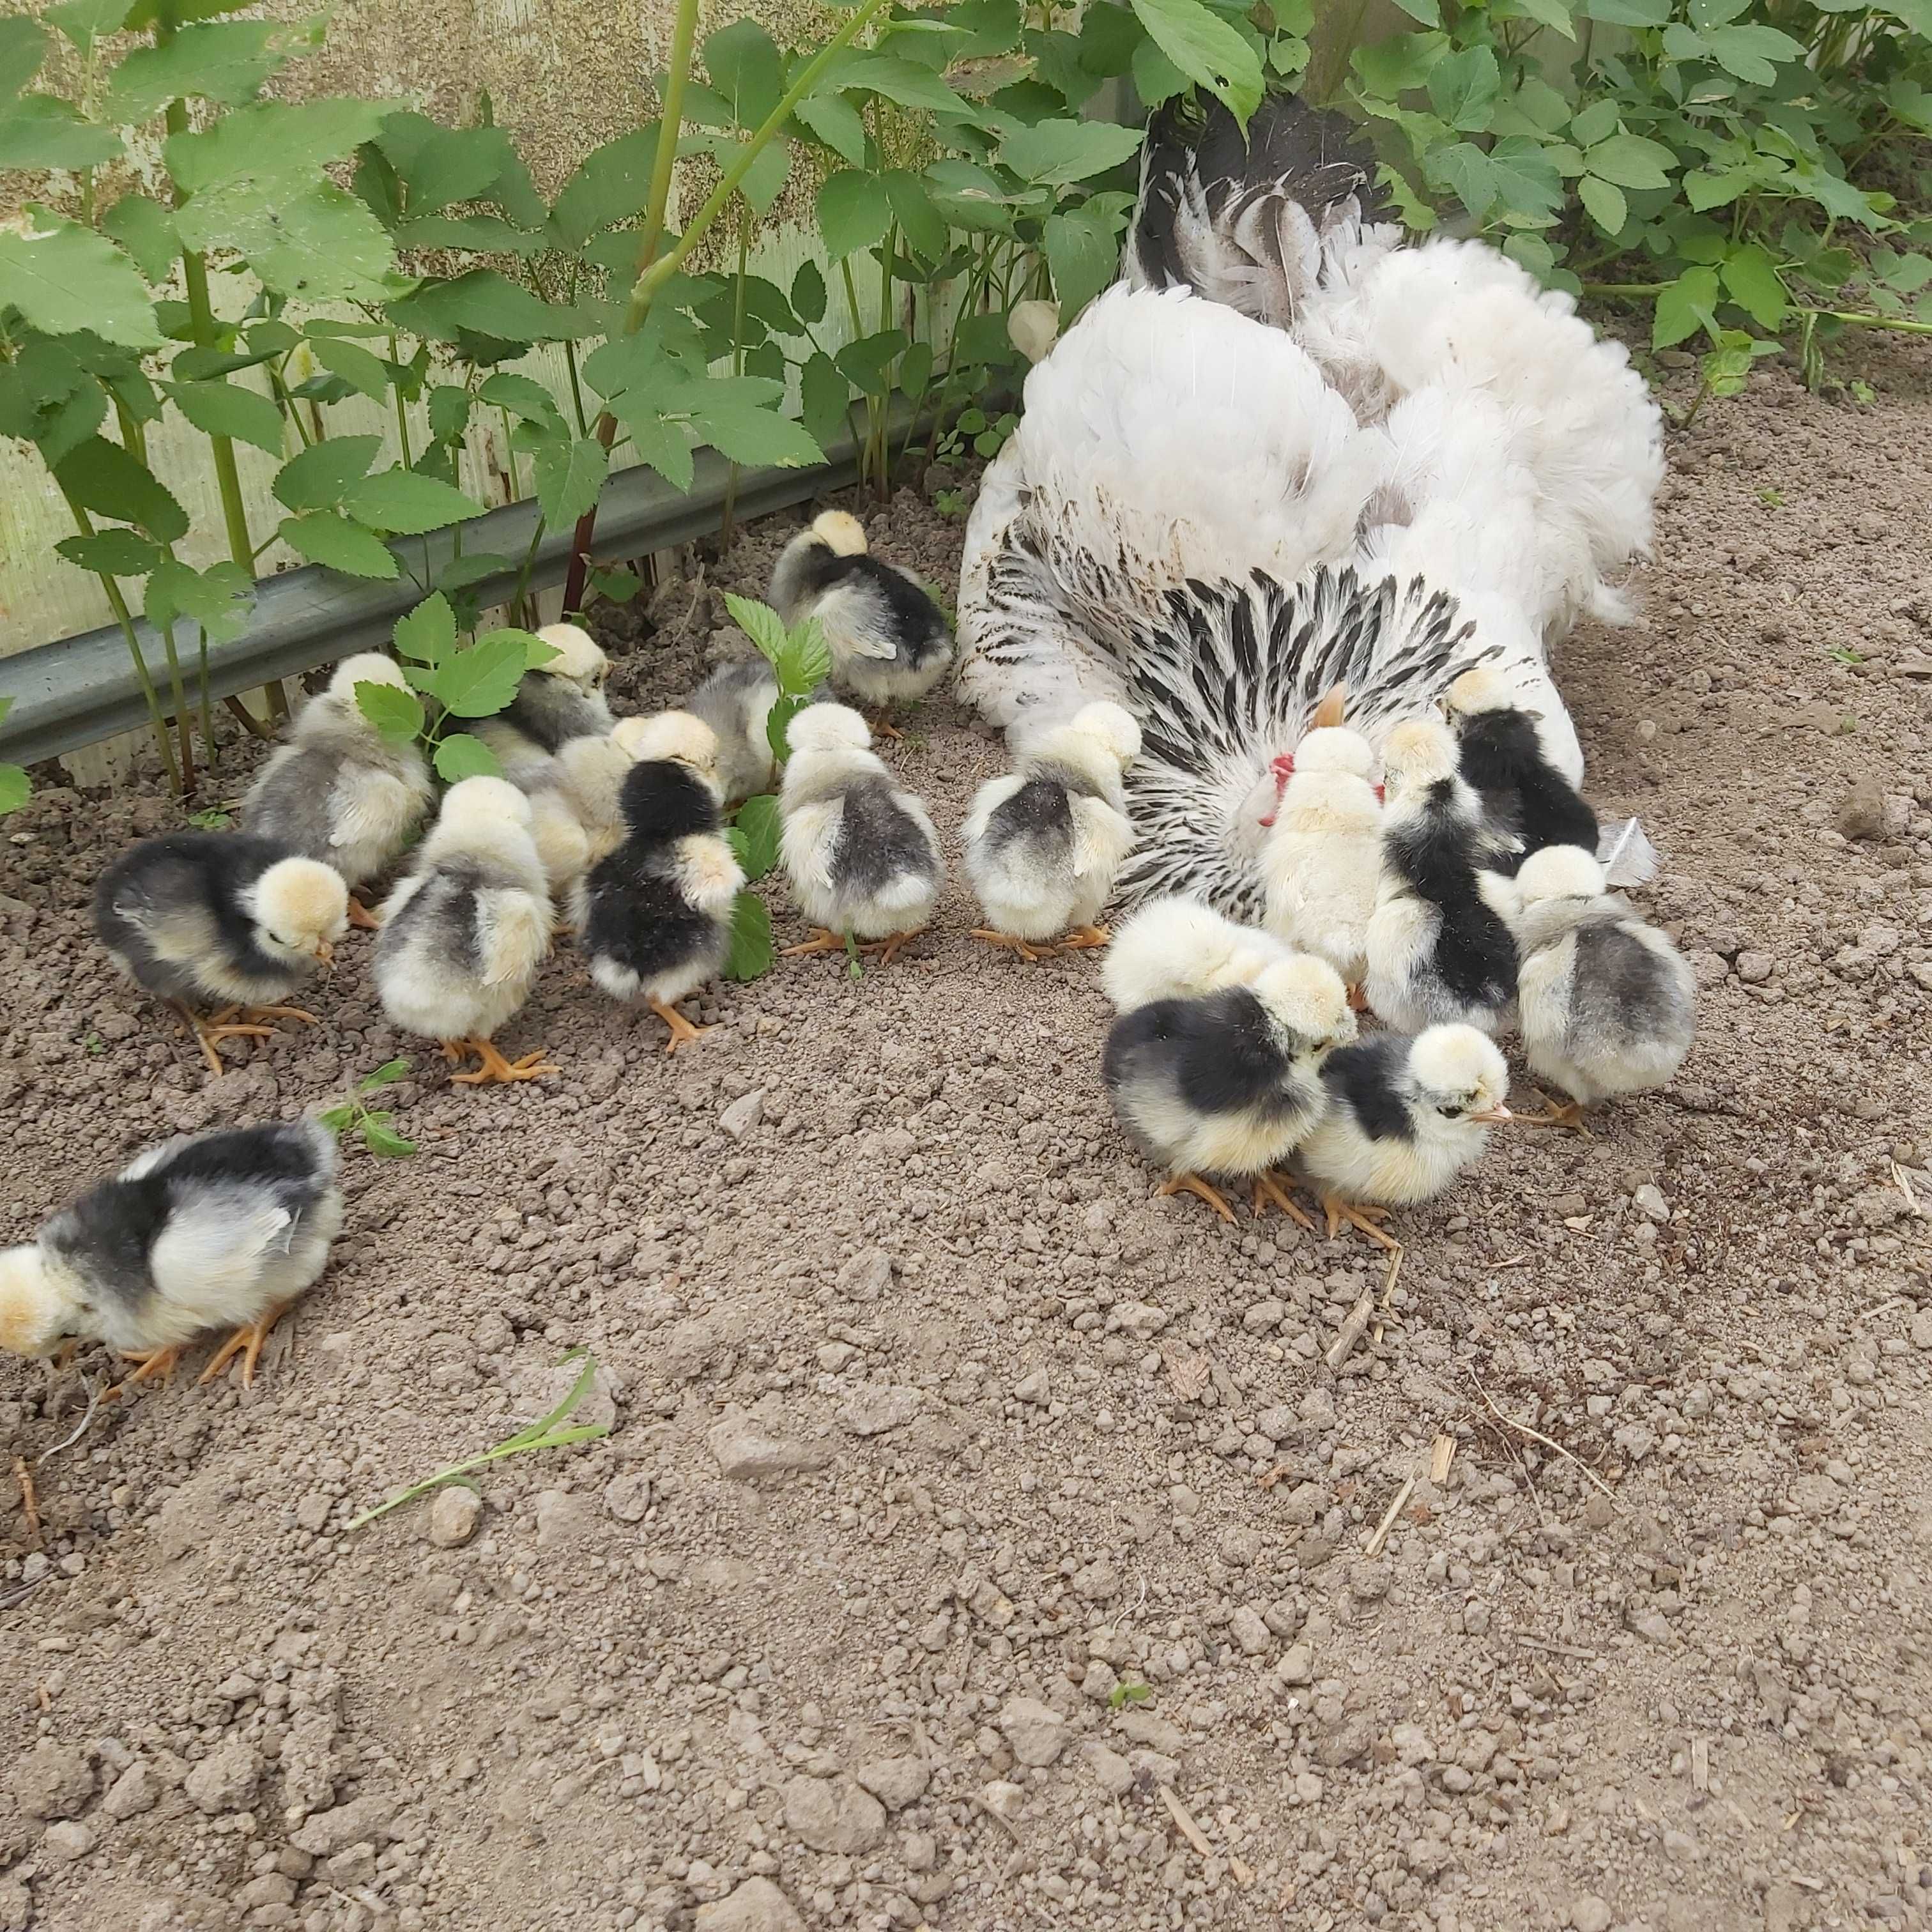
(339, 791)
(1438, 947)
(464, 934)
(206, 1230)
(736, 700)
(1321, 862)
(889, 640)
(1044, 844)
(660, 905)
(863, 858)
(200, 918)
(1608, 1004)
(1230, 1082)
(1178, 949)
(1406, 1115)
(1502, 757)
(562, 699)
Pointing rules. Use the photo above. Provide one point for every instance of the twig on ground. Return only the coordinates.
(30, 1504)
(1562, 1649)
(1440, 1457)
(1005, 1824)
(80, 1428)
(1375, 1543)
(1343, 1346)
(1537, 1436)
(1388, 1292)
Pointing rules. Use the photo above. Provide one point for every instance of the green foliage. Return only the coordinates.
(14, 786)
(371, 1125)
(1129, 1692)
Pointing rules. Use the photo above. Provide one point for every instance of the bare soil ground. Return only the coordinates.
(931, 1427)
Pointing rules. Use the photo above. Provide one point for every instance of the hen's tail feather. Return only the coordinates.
(1250, 220)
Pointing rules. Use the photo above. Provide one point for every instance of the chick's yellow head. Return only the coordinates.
(1334, 747)
(677, 735)
(1559, 872)
(365, 667)
(1459, 1073)
(1113, 728)
(828, 727)
(1306, 996)
(34, 1312)
(475, 805)
(1418, 752)
(301, 907)
(578, 655)
(841, 532)
(1482, 689)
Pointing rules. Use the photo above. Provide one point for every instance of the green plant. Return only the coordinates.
(1772, 499)
(212, 818)
(1124, 1694)
(355, 1116)
(14, 785)
(949, 503)
(547, 1432)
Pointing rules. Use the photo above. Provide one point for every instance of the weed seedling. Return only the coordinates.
(355, 1116)
(1124, 1694)
(1772, 499)
(547, 1432)
(949, 503)
(212, 818)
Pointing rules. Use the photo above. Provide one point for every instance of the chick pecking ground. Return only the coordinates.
(980, 1541)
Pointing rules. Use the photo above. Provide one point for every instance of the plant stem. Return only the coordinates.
(1904, 325)
(1624, 288)
(670, 125)
(402, 409)
(576, 388)
(737, 367)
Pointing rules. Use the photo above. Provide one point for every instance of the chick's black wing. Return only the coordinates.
(1502, 757)
(1475, 956)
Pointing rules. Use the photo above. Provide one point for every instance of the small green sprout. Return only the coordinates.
(1124, 1694)
(212, 818)
(1772, 499)
(547, 1432)
(372, 1123)
(949, 503)
(1843, 654)
(1862, 392)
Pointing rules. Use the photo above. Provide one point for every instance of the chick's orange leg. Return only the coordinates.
(1192, 1184)
(883, 727)
(246, 1342)
(1032, 954)
(1356, 1216)
(1267, 1189)
(361, 917)
(1565, 1113)
(888, 948)
(1358, 998)
(1084, 938)
(282, 1013)
(207, 1032)
(148, 1366)
(495, 1070)
(682, 1032)
(823, 940)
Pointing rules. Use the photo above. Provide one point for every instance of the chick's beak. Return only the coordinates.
(325, 952)
(1493, 1116)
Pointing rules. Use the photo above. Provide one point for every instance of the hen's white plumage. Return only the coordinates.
(1356, 464)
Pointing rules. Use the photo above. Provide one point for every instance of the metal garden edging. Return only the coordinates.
(81, 689)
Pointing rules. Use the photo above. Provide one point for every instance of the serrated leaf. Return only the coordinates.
(397, 714)
(569, 475)
(758, 829)
(387, 1075)
(146, 230)
(428, 633)
(805, 661)
(272, 147)
(1751, 52)
(220, 599)
(852, 212)
(921, 229)
(1751, 280)
(449, 413)
(23, 48)
(101, 476)
(111, 553)
(326, 537)
(323, 475)
(336, 1118)
(225, 62)
(760, 622)
(898, 81)
(449, 164)
(1605, 204)
(84, 21)
(1463, 88)
(321, 245)
(611, 183)
(63, 277)
(746, 70)
(1630, 160)
(522, 398)
(808, 293)
(367, 374)
(1685, 306)
(36, 130)
(751, 954)
(824, 394)
(487, 303)
(226, 408)
(1083, 252)
(1058, 152)
(462, 755)
(659, 442)
(836, 123)
(749, 435)
(620, 586)
(783, 711)
(1207, 49)
(479, 682)
(404, 503)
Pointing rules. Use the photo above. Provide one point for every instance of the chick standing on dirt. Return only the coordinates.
(1229, 1083)
(1044, 844)
(1178, 949)
(736, 700)
(464, 934)
(660, 905)
(889, 640)
(863, 858)
(1322, 861)
(1437, 948)
(1502, 757)
(199, 917)
(562, 699)
(206, 1231)
(1406, 1116)
(339, 791)
(1608, 1004)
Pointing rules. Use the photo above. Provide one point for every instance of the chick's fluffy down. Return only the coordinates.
(1176, 948)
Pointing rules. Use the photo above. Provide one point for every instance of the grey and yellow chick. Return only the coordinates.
(464, 936)
(223, 919)
(1607, 1006)
(860, 851)
(889, 641)
(1178, 949)
(562, 699)
(659, 923)
(219, 1230)
(1044, 844)
(339, 791)
(736, 700)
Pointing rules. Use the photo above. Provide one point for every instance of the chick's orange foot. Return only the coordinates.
(1192, 1184)
(1084, 938)
(1565, 1114)
(1356, 1216)
(888, 948)
(207, 1032)
(149, 1365)
(361, 917)
(495, 1070)
(682, 1032)
(247, 1343)
(882, 726)
(823, 940)
(1031, 953)
(1268, 1188)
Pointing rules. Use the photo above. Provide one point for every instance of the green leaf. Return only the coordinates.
(823, 395)
(1630, 161)
(404, 503)
(383, 1140)
(1686, 305)
(101, 476)
(1605, 204)
(225, 62)
(620, 586)
(16, 788)
(38, 131)
(569, 475)
(1705, 190)
(1207, 49)
(271, 147)
(1429, 12)
(1629, 13)
(323, 475)
(388, 1074)
(1750, 52)
(751, 955)
(449, 413)
(852, 212)
(226, 408)
(427, 634)
(326, 537)
(463, 755)
(23, 48)
(321, 245)
(522, 398)
(220, 599)
(1751, 280)
(114, 552)
(746, 70)
(84, 21)
(363, 372)
(1552, 14)
(836, 123)
(479, 682)
(1463, 88)
(62, 278)
(397, 714)
(487, 303)
(336, 1118)
(449, 164)
(662, 444)
(1083, 250)
(808, 293)
(1058, 152)
(146, 230)
(893, 80)
(1596, 122)
(921, 227)
(612, 184)
(758, 829)
(806, 662)
(760, 622)
(749, 434)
